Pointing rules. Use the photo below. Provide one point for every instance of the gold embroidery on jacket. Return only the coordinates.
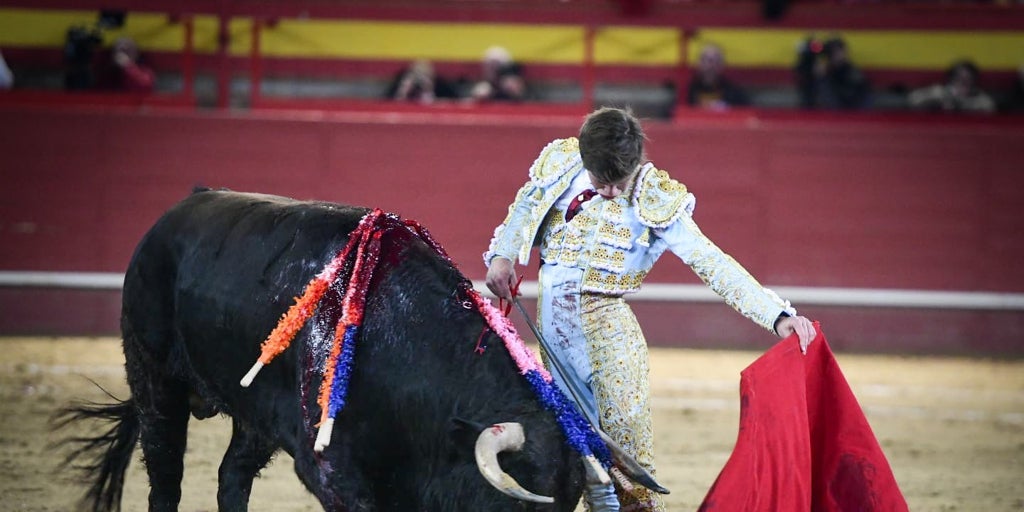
(602, 281)
(552, 162)
(659, 199)
(550, 175)
(733, 283)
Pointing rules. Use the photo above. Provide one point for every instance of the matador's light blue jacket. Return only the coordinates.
(616, 241)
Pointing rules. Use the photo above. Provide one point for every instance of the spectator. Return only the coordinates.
(828, 79)
(1015, 102)
(502, 78)
(419, 83)
(6, 77)
(80, 46)
(709, 88)
(959, 93)
(124, 70)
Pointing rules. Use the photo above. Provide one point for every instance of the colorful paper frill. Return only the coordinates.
(578, 431)
(365, 241)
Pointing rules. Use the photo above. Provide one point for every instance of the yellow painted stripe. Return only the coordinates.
(916, 50)
(896, 49)
(346, 39)
(154, 32)
(23, 27)
(651, 46)
(542, 44)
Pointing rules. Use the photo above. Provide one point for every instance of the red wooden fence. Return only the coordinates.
(907, 202)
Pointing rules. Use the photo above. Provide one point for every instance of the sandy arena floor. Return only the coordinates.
(953, 429)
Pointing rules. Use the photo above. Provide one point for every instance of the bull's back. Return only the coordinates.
(215, 225)
(215, 272)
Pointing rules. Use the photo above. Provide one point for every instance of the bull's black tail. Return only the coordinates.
(102, 459)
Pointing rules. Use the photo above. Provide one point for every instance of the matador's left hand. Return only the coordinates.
(803, 328)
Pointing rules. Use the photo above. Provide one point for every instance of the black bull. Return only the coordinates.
(207, 284)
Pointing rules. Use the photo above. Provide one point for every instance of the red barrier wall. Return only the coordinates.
(907, 202)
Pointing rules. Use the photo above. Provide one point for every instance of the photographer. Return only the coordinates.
(80, 46)
(419, 83)
(828, 79)
(120, 70)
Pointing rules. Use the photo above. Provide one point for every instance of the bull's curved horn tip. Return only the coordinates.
(249, 377)
(498, 438)
(323, 436)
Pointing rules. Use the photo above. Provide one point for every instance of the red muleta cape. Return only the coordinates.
(804, 443)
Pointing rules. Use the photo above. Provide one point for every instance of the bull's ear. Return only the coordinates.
(463, 433)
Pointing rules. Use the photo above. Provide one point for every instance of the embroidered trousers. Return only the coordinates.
(600, 342)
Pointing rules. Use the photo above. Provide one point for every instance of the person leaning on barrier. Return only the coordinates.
(958, 93)
(603, 215)
(828, 79)
(710, 88)
(419, 83)
(6, 76)
(501, 80)
(124, 70)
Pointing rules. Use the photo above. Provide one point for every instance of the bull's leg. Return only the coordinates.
(164, 420)
(247, 454)
(163, 413)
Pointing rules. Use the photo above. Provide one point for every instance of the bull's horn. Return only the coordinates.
(499, 438)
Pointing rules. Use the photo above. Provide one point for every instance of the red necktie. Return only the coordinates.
(577, 203)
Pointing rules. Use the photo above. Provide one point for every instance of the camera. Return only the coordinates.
(808, 53)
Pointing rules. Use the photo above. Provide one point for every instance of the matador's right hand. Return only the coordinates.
(501, 277)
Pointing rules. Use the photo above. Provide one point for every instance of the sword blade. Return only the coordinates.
(557, 367)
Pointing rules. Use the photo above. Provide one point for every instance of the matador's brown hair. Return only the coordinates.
(612, 144)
